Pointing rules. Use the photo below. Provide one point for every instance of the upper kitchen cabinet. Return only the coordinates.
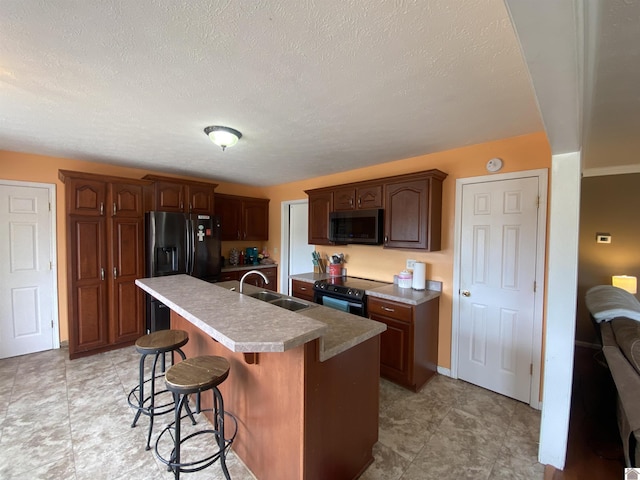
(356, 197)
(320, 205)
(412, 208)
(105, 248)
(183, 196)
(413, 211)
(86, 196)
(242, 218)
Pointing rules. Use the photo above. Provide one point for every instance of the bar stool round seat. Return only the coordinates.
(156, 344)
(194, 376)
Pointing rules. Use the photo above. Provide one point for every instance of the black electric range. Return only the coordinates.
(345, 293)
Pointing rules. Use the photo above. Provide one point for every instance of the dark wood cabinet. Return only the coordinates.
(413, 211)
(320, 205)
(105, 246)
(182, 196)
(409, 346)
(87, 197)
(367, 196)
(200, 198)
(243, 218)
(271, 273)
(255, 217)
(412, 208)
(88, 303)
(302, 290)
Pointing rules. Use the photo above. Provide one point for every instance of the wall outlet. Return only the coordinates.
(410, 264)
(603, 238)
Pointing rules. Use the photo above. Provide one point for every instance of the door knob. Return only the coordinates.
(466, 293)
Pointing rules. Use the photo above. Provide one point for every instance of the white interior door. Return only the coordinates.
(497, 285)
(300, 260)
(27, 292)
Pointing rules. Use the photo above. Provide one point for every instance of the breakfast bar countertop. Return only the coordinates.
(245, 324)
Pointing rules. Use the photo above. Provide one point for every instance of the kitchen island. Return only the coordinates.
(303, 385)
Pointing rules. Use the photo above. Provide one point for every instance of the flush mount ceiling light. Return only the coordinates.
(223, 136)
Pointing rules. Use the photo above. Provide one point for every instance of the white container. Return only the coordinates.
(419, 276)
(405, 279)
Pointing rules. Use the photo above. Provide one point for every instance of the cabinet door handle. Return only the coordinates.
(386, 239)
(115, 209)
(115, 272)
(238, 234)
(101, 208)
(181, 206)
(387, 309)
(304, 289)
(190, 207)
(359, 201)
(101, 273)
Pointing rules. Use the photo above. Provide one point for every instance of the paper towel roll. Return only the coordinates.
(419, 276)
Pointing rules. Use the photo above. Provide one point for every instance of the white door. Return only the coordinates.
(26, 271)
(497, 283)
(300, 259)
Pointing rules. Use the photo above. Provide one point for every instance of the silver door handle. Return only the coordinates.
(115, 272)
(101, 273)
(465, 293)
(101, 208)
(387, 309)
(115, 209)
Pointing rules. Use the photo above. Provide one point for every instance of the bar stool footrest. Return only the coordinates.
(200, 464)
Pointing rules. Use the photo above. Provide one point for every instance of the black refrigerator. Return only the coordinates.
(179, 243)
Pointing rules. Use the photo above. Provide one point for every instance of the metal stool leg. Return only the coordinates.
(218, 425)
(140, 390)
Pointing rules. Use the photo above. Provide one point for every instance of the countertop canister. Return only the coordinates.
(404, 279)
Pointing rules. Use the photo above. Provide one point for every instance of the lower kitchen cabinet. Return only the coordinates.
(302, 290)
(409, 346)
(271, 273)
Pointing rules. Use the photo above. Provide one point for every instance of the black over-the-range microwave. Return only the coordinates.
(356, 226)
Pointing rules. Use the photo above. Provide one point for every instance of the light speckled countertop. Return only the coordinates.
(389, 291)
(245, 324)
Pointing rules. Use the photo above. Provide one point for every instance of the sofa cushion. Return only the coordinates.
(627, 334)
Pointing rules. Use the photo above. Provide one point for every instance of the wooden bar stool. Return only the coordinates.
(197, 375)
(157, 344)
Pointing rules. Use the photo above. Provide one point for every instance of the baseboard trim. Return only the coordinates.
(444, 371)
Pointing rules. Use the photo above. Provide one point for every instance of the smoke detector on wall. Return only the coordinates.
(494, 165)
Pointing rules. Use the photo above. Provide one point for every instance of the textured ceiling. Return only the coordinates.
(316, 87)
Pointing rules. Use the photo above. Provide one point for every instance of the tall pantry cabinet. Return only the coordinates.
(105, 249)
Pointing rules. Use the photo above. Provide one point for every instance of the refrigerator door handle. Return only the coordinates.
(190, 247)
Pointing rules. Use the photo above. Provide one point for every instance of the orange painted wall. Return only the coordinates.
(43, 169)
(526, 152)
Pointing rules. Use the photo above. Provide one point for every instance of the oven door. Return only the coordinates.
(350, 306)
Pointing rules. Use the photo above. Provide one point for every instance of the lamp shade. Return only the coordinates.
(223, 136)
(626, 282)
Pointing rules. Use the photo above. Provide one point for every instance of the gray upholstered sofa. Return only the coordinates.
(617, 313)
(621, 347)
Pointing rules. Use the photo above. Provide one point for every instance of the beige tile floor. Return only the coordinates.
(62, 419)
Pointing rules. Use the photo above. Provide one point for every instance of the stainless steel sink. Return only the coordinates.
(289, 304)
(265, 296)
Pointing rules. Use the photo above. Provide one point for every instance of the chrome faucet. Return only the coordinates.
(249, 273)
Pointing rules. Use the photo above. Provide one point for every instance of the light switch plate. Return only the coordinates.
(410, 264)
(603, 238)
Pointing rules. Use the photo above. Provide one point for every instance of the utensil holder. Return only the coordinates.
(335, 269)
